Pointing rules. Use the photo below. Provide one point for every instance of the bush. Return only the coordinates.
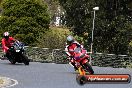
(79, 39)
(54, 38)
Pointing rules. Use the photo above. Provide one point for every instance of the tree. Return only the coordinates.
(114, 26)
(78, 14)
(113, 22)
(24, 19)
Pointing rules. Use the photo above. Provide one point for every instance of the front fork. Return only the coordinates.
(81, 71)
(81, 68)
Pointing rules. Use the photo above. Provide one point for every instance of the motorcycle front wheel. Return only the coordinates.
(81, 80)
(12, 61)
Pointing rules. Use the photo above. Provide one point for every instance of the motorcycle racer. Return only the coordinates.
(71, 45)
(6, 43)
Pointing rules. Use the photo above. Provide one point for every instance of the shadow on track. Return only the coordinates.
(17, 64)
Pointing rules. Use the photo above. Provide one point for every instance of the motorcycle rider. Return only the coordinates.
(6, 44)
(72, 44)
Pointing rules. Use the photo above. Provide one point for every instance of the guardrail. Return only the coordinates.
(46, 55)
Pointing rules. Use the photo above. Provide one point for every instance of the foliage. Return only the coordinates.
(114, 26)
(112, 32)
(24, 19)
(79, 39)
(55, 38)
(55, 10)
(52, 6)
(77, 14)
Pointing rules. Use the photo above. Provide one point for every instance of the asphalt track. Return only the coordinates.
(49, 75)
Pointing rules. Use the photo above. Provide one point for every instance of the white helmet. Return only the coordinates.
(6, 35)
(70, 38)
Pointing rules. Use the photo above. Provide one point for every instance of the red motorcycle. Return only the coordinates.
(82, 61)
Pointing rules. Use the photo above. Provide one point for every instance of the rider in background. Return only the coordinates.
(6, 43)
(72, 44)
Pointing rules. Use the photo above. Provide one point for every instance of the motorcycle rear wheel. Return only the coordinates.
(25, 59)
(89, 68)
